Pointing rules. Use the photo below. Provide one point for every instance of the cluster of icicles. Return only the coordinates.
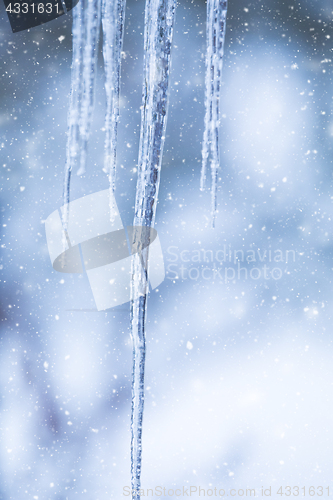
(88, 15)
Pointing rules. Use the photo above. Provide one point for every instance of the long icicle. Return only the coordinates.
(216, 25)
(209, 90)
(73, 136)
(113, 19)
(159, 22)
(92, 19)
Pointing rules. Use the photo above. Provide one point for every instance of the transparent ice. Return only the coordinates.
(113, 18)
(159, 22)
(73, 134)
(92, 18)
(86, 25)
(87, 17)
(215, 35)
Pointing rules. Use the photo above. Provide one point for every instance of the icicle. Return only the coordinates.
(159, 21)
(209, 89)
(92, 16)
(113, 19)
(72, 148)
(216, 24)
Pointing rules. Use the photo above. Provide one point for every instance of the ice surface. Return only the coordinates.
(159, 21)
(73, 137)
(215, 35)
(113, 18)
(92, 17)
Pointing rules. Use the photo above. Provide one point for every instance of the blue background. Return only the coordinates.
(239, 379)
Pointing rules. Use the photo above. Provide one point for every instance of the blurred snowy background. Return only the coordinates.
(239, 385)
